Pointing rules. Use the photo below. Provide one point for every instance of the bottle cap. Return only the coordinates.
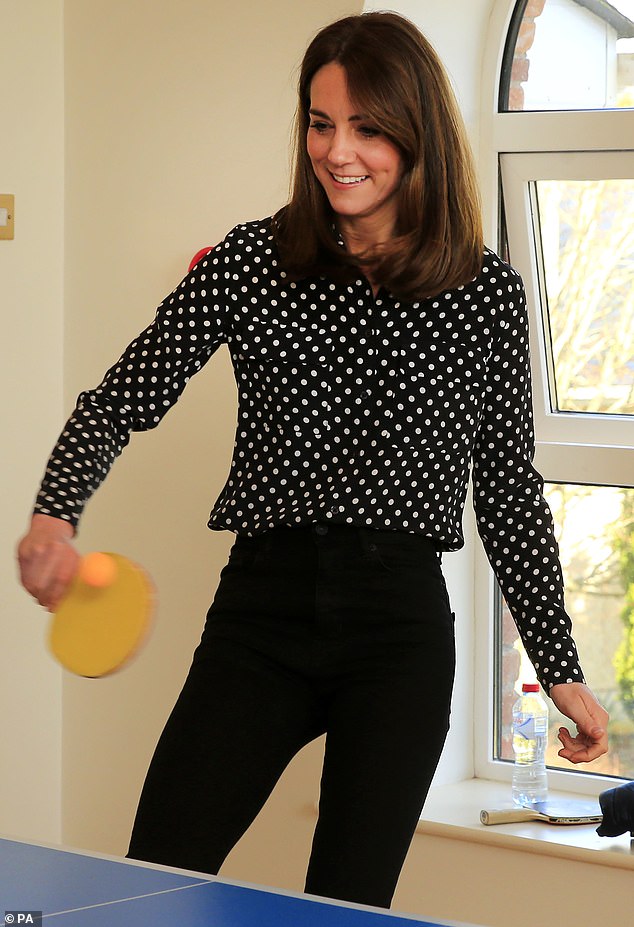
(530, 687)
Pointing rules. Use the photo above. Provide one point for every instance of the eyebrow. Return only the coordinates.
(318, 112)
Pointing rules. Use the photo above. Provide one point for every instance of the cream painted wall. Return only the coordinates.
(493, 887)
(177, 123)
(31, 292)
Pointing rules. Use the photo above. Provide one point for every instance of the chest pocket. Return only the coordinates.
(284, 375)
(438, 393)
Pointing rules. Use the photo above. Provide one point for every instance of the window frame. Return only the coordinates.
(588, 449)
(519, 170)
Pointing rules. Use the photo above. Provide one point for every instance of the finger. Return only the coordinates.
(38, 578)
(27, 561)
(565, 737)
(586, 724)
(594, 719)
(36, 561)
(576, 753)
(58, 590)
(596, 735)
(583, 755)
(48, 572)
(60, 579)
(581, 741)
(595, 727)
(581, 749)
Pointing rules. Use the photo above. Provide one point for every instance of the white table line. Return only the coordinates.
(105, 904)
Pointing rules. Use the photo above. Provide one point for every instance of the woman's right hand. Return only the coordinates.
(47, 559)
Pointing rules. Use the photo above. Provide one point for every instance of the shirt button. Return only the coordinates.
(366, 393)
(321, 529)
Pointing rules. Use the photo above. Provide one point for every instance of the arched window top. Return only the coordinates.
(569, 55)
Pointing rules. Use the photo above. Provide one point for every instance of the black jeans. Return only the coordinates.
(315, 629)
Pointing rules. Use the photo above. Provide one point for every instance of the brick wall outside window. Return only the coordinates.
(521, 64)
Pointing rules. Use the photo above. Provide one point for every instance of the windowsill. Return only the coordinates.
(453, 812)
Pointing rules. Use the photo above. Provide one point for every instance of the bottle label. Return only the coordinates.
(526, 728)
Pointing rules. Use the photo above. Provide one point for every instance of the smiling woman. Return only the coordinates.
(421, 168)
(358, 167)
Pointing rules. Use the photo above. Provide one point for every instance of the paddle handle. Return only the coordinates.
(506, 816)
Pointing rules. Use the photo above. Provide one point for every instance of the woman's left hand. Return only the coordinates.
(577, 702)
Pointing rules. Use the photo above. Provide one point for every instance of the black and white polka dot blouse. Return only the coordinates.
(352, 409)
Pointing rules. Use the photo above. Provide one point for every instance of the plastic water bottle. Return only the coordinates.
(530, 735)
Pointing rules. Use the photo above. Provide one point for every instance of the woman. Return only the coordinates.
(379, 352)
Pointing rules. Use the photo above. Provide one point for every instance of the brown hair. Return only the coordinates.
(397, 79)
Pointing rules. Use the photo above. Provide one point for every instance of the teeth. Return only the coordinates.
(342, 179)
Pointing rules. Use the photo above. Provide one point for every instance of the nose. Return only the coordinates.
(341, 149)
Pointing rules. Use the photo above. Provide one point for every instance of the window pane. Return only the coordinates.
(587, 245)
(595, 529)
(569, 55)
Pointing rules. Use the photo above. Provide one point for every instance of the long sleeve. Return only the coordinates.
(513, 517)
(135, 393)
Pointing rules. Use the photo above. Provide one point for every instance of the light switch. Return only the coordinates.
(7, 211)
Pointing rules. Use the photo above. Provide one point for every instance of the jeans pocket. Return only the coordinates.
(399, 550)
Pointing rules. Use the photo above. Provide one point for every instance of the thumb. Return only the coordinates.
(596, 731)
(589, 725)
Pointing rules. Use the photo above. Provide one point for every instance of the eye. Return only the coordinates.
(319, 126)
(369, 131)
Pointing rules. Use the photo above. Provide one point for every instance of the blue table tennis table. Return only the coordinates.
(68, 888)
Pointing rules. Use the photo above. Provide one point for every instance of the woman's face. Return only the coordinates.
(358, 167)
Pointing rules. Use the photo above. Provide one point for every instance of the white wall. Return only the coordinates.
(31, 370)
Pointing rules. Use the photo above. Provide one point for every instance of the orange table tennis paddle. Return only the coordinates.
(104, 618)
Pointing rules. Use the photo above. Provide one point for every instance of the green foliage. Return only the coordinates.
(624, 657)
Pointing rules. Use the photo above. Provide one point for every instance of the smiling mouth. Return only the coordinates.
(350, 181)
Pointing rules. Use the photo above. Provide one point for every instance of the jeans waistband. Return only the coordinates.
(321, 532)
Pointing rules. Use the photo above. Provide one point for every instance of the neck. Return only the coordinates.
(360, 237)
(363, 234)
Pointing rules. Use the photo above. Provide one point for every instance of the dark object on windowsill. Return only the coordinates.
(617, 806)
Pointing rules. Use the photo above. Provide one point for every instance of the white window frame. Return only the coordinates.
(596, 449)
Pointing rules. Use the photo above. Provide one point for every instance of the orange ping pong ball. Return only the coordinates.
(98, 570)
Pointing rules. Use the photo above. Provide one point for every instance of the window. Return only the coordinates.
(587, 265)
(595, 532)
(569, 55)
(563, 134)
